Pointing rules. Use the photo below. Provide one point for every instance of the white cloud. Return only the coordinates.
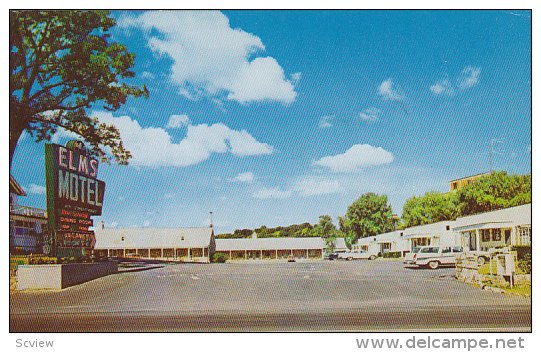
(153, 146)
(388, 92)
(211, 58)
(169, 195)
(178, 121)
(469, 77)
(314, 185)
(271, 193)
(442, 87)
(244, 177)
(146, 223)
(113, 224)
(370, 115)
(35, 189)
(147, 75)
(355, 158)
(325, 122)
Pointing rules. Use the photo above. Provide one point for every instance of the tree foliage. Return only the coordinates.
(429, 208)
(495, 191)
(369, 215)
(61, 64)
(491, 192)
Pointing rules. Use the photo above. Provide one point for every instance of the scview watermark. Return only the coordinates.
(444, 343)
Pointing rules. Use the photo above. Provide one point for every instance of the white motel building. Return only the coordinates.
(494, 229)
(195, 244)
(271, 248)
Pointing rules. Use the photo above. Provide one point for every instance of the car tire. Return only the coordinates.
(433, 264)
(372, 257)
(350, 258)
(481, 260)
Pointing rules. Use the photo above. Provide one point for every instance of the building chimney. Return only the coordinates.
(211, 224)
(102, 224)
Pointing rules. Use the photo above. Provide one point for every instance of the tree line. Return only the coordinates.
(371, 214)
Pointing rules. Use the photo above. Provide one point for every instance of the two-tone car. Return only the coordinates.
(433, 256)
(351, 255)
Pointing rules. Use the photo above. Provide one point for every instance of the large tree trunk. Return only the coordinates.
(15, 131)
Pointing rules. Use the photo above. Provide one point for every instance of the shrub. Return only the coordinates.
(522, 251)
(219, 258)
(526, 263)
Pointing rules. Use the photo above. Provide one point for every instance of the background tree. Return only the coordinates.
(61, 63)
(429, 208)
(495, 191)
(369, 215)
(327, 230)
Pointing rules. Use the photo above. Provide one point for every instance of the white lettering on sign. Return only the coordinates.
(78, 188)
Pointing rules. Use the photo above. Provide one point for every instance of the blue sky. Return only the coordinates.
(276, 117)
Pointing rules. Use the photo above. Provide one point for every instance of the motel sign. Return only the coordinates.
(74, 194)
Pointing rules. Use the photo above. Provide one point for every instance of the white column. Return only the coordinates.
(477, 240)
(245, 255)
(189, 254)
(276, 254)
(229, 255)
(260, 254)
(514, 236)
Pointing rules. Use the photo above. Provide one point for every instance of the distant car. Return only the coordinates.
(334, 255)
(434, 256)
(351, 255)
(290, 258)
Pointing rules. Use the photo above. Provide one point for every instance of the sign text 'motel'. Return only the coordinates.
(73, 194)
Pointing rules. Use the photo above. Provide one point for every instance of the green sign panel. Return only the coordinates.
(74, 194)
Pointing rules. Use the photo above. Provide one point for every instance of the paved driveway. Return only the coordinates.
(276, 296)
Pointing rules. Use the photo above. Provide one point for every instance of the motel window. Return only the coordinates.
(496, 235)
(525, 235)
(485, 235)
(387, 245)
(457, 249)
(446, 250)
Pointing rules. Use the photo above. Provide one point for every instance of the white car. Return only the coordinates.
(433, 256)
(350, 255)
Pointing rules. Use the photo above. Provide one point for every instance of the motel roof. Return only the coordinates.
(273, 243)
(429, 230)
(14, 187)
(340, 243)
(510, 217)
(133, 238)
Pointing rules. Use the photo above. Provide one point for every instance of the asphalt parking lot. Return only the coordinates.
(272, 296)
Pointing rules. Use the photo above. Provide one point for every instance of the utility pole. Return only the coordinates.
(211, 225)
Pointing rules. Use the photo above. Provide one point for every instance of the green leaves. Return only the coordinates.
(369, 215)
(495, 191)
(63, 63)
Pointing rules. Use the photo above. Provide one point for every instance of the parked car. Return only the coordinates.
(334, 255)
(290, 258)
(350, 255)
(434, 256)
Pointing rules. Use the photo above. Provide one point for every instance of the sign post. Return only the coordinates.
(74, 194)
